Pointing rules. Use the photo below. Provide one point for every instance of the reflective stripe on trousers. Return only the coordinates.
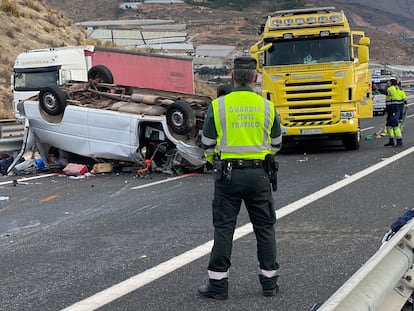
(268, 273)
(214, 275)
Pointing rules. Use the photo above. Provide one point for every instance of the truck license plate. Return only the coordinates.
(311, 132)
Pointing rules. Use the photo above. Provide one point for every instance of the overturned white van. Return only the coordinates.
(105, 121)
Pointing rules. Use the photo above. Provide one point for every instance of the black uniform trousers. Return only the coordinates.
(393, 114)
(252, 186)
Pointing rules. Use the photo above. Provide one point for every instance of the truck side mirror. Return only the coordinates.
(254, 52)
(363, 54)
(365, 41)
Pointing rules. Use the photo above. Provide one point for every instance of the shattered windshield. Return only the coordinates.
(319, 50)
(34, 80)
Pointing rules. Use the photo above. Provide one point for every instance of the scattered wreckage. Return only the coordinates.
(156, 130)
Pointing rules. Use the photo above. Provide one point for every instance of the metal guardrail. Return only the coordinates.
(384, 282)
(11, 135)
(405, 83)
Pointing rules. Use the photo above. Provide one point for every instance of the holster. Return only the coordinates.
(218, 167)
(271, 166)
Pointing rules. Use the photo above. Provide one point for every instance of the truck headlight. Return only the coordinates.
(348, 114)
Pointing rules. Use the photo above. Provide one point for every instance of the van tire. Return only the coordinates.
(52, 100)
(102, 73)
(181, 117)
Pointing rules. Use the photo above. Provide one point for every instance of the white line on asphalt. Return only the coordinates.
(27, 178)
(118, 290)
(159, 182)
(367, 128)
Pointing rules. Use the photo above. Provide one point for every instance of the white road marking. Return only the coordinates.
(118, 290)
(367, 128)
(27, 178)
(159, 182)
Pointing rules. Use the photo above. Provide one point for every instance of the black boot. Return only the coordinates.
(216, 289)
(390, 142)
(270, 285)
(399, 142)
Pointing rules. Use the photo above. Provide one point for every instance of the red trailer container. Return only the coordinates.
(145, 70)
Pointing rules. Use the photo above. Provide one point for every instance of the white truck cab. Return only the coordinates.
(53, 66)
(379, 89)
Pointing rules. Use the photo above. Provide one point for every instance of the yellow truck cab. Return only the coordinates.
(315, 70)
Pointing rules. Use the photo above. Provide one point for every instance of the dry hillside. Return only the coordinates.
(239, 28)
(388, 23)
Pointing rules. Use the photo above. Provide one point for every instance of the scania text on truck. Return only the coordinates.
(36, 69)
(315, 70)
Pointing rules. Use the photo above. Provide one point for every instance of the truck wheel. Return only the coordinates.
(102, 73)
(351, 141)
(52, 100)
(181, 117)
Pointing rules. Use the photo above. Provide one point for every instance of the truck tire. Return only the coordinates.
(351, 141)
(102, 73)
(181, 117)
(52, 100)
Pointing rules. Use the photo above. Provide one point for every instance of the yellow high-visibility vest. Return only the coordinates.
(243, 121)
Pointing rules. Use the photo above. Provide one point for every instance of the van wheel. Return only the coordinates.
(102, 73)
(52, 100)
(181, 117)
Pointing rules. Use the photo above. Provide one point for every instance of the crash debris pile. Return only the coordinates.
(32, 163)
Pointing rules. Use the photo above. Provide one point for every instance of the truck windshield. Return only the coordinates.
(33, 80)
(318, 50)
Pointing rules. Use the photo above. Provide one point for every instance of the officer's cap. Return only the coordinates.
(244, 62)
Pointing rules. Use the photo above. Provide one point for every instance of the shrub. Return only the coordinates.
(10, 33)
(9, 7)
(53, 19)
(34, 5)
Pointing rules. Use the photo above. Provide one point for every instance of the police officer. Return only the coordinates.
(241, 135)
(393, 103)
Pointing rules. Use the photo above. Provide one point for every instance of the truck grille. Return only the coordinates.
(309, 104)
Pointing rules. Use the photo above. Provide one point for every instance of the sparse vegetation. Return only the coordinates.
(35, 5)
(9, 7)
(10, 33)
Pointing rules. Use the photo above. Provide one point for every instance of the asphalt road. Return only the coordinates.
(117, 242)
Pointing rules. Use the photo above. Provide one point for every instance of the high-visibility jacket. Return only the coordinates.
(401, 94)
(244, 122)
(393, 96)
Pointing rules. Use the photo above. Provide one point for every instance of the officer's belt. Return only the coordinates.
(240, 163)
